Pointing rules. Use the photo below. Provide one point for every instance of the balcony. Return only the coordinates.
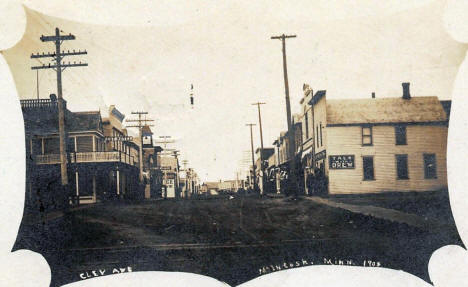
(88, 157)
(40, 104)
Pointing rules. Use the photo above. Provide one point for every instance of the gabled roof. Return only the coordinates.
(385, 110)
(447, 105)
(146, 131)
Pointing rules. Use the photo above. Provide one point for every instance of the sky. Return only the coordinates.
(147, 58)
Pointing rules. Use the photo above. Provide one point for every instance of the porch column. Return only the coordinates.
(77, 187)
(118, 182)
(124, 183)
(94, 187)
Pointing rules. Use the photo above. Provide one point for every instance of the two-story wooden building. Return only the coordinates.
(376, 144)
(100, 164)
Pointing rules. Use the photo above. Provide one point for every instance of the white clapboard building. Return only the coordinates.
(376, 145)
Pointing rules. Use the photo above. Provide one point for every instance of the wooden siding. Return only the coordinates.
(420, 139)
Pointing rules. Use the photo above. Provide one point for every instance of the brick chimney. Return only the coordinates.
(406, 92)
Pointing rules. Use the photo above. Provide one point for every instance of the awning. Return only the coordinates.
(306, 152)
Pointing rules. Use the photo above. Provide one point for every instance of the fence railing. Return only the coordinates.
(81, 157)
(39, 103)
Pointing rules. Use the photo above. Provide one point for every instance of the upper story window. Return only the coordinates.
(306, 119)
(321, 138)
(316, 135)
(400, 135)
(367, 135)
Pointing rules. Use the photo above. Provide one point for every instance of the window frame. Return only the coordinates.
(364, 168)
(426, 174)
(407, 167)
(321, 137)
(317, 135)
(367, 136)
(402, 127)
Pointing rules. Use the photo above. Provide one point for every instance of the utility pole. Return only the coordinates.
(253, 160)
(141, 123)
(59, 67)
(37, 83)
(262, 167)
(176, 180)
(185, 162)
(291, 132)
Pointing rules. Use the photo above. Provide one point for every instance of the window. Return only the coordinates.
(321, 142)
(36, 146)
(316, 135)
(400, 135)
(71, 144)
(402, 166)
(430, 168)
(306, 126)
(367, 135)
(368, 167)
(84, 144)
(51, 146)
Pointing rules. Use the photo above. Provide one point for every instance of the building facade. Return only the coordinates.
(96, 171)
(374, 145)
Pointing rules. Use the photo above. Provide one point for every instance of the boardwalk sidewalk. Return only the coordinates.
(382, 213)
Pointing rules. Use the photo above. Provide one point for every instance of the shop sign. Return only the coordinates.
(341, 161)
(321, 155)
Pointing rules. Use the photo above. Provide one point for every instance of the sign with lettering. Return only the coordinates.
(341, 161)
(118, 138)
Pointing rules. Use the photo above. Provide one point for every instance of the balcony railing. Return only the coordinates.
(82, 157)
(39, 104)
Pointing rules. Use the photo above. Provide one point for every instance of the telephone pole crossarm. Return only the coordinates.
(57, 38)
(282, 37)
(63, 54)
(61, 66)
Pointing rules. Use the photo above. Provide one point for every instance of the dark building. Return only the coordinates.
(99, 166)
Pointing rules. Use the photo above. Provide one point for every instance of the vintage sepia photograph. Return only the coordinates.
(238, 143)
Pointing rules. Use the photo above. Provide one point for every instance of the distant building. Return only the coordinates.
(169, 165)
(374, 145)
(263, 183)
(210, 188)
